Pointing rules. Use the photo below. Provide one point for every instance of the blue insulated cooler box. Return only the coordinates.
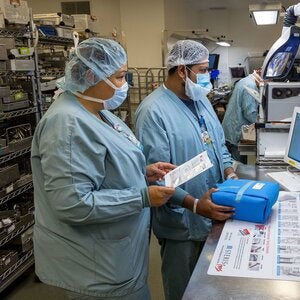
(253, 200)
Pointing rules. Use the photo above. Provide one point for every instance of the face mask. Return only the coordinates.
(204, 80)
(196, 91)
(112, 103)
(118, 97)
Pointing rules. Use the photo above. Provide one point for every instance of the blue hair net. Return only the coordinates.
(92, 61)
(187, 52)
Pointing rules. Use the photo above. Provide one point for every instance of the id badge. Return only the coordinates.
(205, 137)
(135, 141)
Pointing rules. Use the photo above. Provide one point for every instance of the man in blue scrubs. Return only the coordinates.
(175, 123)
(241, 110)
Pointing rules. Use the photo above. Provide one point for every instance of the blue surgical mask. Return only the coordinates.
(118, 97)
(204, 80)
(115, 101)
(196, 91)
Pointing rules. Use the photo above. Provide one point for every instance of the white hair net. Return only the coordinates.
(187, 52)
(92, 61)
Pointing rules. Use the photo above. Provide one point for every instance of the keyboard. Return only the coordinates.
(288, 180)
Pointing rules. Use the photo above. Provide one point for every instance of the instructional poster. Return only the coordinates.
(270, 251)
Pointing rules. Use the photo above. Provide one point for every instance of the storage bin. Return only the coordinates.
(7, 259)
(8, 42)
(83, 22)
(64, 32)
(4, 91)
(9, 174)
(47, 30)
(20, 65)
(15, 14)
(5, 107)
(3, 65)
(3, 52)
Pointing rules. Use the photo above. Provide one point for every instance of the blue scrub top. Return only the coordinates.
(241, 110)
(91, 203)
(170, 132)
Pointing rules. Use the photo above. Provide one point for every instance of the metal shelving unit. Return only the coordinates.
(12, 193)
(16, 270)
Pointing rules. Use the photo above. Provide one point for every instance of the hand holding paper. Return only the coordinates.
(158, 170)
(188, 170)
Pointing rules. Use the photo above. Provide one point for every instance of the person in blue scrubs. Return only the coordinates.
(91, 231)
(241, 110)
(175, 123)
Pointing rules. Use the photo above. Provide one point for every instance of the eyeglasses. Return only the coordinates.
(201, 71)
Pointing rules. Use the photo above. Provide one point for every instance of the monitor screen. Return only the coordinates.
(237, 72)
(292, 153)
(213, 61)
(279, 64)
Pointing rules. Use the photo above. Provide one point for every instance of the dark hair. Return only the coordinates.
(172, 70)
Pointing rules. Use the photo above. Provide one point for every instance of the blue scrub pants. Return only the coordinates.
(178, 262)
(141, 294)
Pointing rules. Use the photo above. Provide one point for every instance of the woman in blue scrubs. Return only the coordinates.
(89, 173)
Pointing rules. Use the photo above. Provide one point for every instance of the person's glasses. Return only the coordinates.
(201, 71)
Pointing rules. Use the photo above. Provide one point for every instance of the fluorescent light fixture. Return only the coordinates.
(265, 14)
(223, 43)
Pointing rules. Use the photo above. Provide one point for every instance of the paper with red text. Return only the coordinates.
(270, 250)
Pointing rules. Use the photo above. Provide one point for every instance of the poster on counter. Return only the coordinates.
(270, 251)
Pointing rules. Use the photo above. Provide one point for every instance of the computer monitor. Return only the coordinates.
(279, 63)
(292, 153)
(213, 61)
(237, 72)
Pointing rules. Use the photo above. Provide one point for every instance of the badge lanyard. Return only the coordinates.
(204, 133)
(130, 136)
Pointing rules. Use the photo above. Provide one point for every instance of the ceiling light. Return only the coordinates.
(265, 14)
(223, 43)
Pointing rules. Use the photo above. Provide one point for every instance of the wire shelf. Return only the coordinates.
(56, 74)
(16, 192)
(52, 39)
(15, 233)
(16, 33)
(21, 266)
(15, 154)
(17, 113)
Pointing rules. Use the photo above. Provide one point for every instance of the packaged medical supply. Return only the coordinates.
(252, 200)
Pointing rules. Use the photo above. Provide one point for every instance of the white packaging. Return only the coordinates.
(15, 12)
(20, 65)
(64, 32)
(83, 22)
(54, 19)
